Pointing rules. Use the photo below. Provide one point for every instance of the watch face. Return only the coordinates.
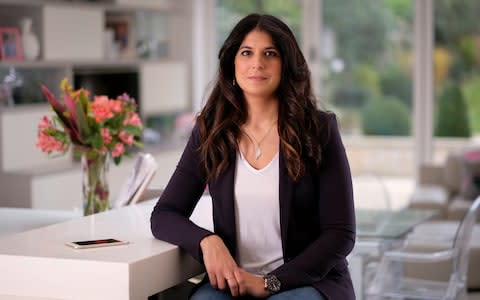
(272, 283)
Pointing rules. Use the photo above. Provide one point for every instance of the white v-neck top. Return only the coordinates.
(257, 215)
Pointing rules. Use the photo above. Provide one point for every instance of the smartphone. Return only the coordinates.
(95, 243)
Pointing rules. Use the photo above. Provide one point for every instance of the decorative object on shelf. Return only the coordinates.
(10, 82)
(98, 129)
(31, 46)
(111, 48)
(10, 44)
(151, 34)
(123, 35)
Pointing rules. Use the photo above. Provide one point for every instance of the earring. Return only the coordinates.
(233, 81)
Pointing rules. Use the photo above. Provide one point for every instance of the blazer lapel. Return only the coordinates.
(224, 185)
(285, 199)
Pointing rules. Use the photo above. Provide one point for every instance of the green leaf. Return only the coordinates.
(116, 120)
(117, 160)
(138, 144)
(92, 154)
(97, 141)
(82, 117)
(77, 153)
(56, 119)
(134, 130)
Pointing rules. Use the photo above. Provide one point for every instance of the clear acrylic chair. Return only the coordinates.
(392, 282)
(371, 192)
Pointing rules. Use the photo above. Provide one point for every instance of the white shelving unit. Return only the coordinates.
(71, 36)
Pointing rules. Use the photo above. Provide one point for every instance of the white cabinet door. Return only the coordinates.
(72, 33)
(163, 87)
(18, 135)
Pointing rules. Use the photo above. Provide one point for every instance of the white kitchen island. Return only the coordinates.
(36, 263)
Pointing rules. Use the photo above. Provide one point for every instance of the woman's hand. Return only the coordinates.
(222, 269)
(254, 285)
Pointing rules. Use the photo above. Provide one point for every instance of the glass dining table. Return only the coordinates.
(377, 231)
(389, 224)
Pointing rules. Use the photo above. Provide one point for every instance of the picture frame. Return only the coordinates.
(11, 48)
(122, 36)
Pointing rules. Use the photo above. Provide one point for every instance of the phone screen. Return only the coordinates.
(96, 243)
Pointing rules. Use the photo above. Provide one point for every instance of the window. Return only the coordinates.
(367, 65)
(366, 79)
(456, 74)
(229, 12)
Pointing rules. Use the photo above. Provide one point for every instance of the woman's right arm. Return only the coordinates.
(170, 217)
(170, 221)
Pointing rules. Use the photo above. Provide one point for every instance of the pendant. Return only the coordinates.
(258, 153)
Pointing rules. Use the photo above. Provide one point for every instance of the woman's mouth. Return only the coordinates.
(257, 78)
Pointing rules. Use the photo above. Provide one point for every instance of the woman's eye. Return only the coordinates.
(270, 53)
(245, 53)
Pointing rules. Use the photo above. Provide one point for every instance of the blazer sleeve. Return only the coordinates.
(170, 217)
(336, 217)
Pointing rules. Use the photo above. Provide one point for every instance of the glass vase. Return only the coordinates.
(95, 183)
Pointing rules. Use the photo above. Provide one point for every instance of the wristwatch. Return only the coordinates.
(271, 283)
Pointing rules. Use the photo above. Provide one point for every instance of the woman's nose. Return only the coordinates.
(258, 62)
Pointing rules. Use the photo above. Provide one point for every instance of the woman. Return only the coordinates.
(277, 173)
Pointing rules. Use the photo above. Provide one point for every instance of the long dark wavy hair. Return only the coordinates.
(300, 123)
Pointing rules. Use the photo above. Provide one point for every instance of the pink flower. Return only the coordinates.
(48, 143)
(44, 123)
(116, 105)
(126, 137)
(125, 97)
(106, 136)
(101, 108)
(118, 150)
(132, 119)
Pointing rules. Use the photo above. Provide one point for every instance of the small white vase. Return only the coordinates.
(31, 46)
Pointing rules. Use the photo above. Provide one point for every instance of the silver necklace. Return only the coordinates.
(255, 143)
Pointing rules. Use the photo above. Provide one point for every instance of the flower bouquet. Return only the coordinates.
(98, 130)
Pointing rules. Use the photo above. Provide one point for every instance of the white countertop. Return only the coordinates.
(40, 265)
(14, 220)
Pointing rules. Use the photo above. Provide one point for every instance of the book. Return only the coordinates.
(143, 171)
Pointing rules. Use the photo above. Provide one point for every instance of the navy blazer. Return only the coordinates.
(317, 217)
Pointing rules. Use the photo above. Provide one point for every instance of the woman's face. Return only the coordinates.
(258, 65)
